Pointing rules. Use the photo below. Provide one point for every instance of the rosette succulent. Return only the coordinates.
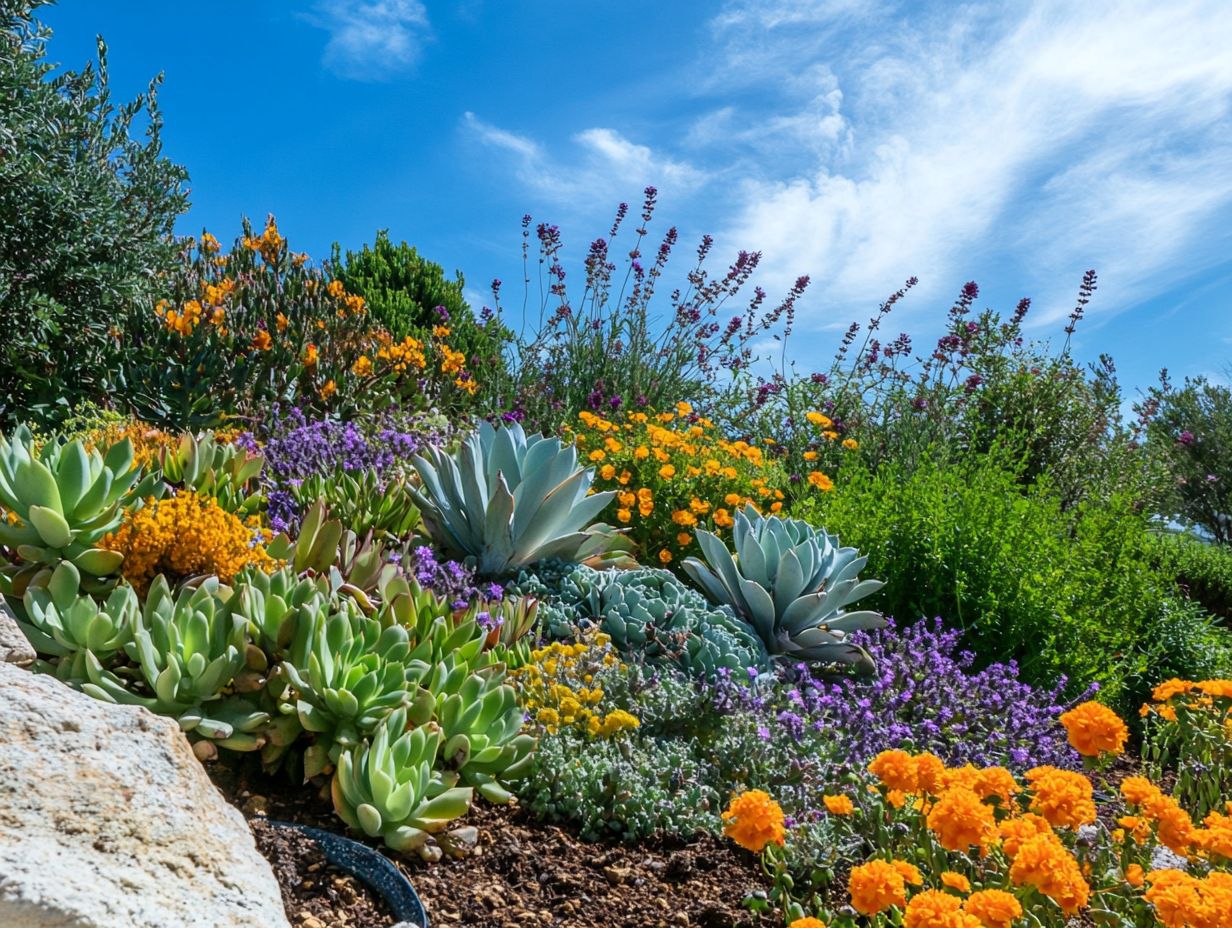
(59, 501)
(507, 500)
(208, 467)
(792, 584)
(60, 621)
(388, 787)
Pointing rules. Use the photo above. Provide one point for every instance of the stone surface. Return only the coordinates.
(14, 648)
(108, 821)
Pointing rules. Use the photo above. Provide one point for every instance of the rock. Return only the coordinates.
(14, 648)
(108, 821)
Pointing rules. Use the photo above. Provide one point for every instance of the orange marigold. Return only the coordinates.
(1043, 862)
(1095, 729)
(754, 820)
(838, 805)
(896, 769)
(955, 881)
(1134, 875)
(995, 908)
(935, 908)
(1013, 831)
(807, 922)
(1063, 797)
(996, 781)
(960, 820)
(929, 773)
(911, 873)
(875, 886)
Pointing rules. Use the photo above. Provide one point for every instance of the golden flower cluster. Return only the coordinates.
(186, 535)
(559, 689)
(1094, 729)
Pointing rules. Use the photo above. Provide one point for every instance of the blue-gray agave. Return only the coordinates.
(508, 500)
(791, 583)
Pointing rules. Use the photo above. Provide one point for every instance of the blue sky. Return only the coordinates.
(859, 142)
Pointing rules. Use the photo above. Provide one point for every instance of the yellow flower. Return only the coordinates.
(817, 419)
(328, 390)
(281, 322)
(362, 366)
(311, 356)
(850, 444)
(667, 471)
(754, 820)
(607, 471)
(262, 341)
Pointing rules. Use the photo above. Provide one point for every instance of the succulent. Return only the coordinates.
(347, 672)
(510, 624)
(61, 500)
(187, 648)
(362, 501)
(275, 603)
(212, 468)
(481, 721)
(507, 500)
(651, 614)
(60, 620)
(791, 583)
(388, 787)
(436, 630)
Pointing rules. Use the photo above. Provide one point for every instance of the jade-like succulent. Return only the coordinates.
(60, 620)
(226, 472)
(508, 500)
(481, 721)
(792, 584)
(60, 501)
(348, 672)
(389, 788)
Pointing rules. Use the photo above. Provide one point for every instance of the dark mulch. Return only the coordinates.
(522, 871)
(315, 893)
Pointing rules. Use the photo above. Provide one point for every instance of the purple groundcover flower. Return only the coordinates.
(450, 580)
(923, 697)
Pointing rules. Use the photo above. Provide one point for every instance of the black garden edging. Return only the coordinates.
(369, 866)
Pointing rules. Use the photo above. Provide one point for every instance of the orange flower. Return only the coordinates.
(1063, 797)
(911, 873)
(262, 341)
(929, 773)
(819, 480)
(807, 922)
(875, 886)
(960, 820)
(995, 908)
(1095, 729)
(754, 820)
(838, 805)
(894, 768)
(1134, 875)
(328, 390)
(996, 781)
(955, 881)
(1169, 688)
(934, 908)
(1043, 862)
(311, 356)
(1014, 831)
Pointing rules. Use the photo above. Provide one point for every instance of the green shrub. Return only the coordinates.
(410, 295)
(1191, 428)
(1202, 570)
(1063, 592)
(86, 208)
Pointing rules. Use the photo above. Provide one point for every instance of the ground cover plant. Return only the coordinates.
(922, 638)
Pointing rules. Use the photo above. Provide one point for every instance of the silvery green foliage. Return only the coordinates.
(508, 500)
(388, 787)
(651, 614)
(792, 584)
(60, 621)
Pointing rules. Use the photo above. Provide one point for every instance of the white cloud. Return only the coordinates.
(1074, 135)
(371, 39)
(602, 167)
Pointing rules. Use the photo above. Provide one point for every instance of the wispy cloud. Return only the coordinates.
(601, 166)
(371, 39)
(1060, 137)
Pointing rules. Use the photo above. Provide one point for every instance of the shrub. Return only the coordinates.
(407, 294)
(1191, 428)
(1203, 571)
(86, 210)
(673, 471)
(1063, 593)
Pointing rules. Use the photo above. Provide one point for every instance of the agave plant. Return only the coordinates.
(481, 721)
(61, 500)
(347, 672)
(792, 584)
(507, 500)
(388, 787)
(212, 468)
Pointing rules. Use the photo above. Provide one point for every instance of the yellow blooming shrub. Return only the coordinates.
(672, 472)
(186, 535)
(559, 688)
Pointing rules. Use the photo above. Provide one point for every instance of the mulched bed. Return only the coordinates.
(521, 873)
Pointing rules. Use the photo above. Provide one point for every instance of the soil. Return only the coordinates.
(315, 893)
(522, 872)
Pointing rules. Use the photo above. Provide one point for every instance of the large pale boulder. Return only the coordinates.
(107, 819)
(14, 648)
